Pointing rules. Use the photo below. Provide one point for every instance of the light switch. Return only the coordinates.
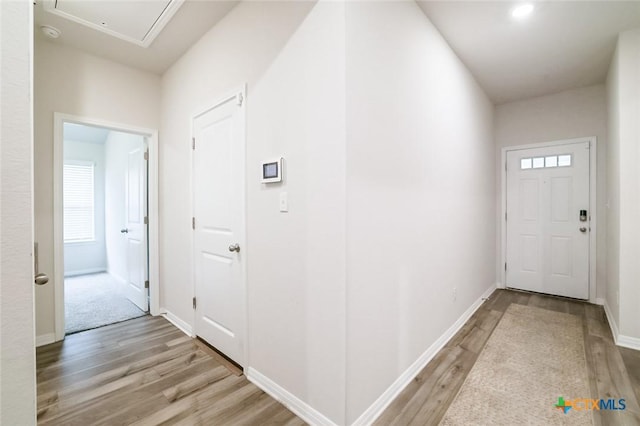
(284, 202)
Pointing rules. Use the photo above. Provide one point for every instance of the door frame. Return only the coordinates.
(239, 91)
(58, 213)
(593, 162)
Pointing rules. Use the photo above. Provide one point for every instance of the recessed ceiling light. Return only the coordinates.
(50, 31)
(522, 10)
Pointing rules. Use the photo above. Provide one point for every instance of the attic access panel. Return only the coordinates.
(138, 22)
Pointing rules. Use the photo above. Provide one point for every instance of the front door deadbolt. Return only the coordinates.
(583, 215)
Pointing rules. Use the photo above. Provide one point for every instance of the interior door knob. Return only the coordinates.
(124, 231)
(583, 229)
(234, 247)
(41, 279)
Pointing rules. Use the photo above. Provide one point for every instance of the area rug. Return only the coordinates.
(533, 358)
(94, 300)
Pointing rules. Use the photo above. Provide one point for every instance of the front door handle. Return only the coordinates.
(234, 247)
(124, 231)
(41, 279)
(583, 229)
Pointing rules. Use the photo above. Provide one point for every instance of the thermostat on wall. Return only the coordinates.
(272, 171)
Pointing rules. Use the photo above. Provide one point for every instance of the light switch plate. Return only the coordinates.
(284, 202)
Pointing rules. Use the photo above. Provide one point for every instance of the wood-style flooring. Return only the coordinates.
(613, 372)
(146, 372)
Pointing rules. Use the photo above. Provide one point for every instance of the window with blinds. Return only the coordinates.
(79, 214)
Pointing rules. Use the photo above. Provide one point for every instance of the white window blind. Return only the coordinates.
(79, 215)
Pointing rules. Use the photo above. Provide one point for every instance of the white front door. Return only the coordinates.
(547, 239)
(218, 184)
(136, 229)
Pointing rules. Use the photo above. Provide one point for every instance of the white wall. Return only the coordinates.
(565, 115)
(420, 193)
(70, 81)
(629, 150)
(613, 191)
(88, 257)
(117, 147)
(17, 357)
(391, 146)
(291, 55)
(623, 89)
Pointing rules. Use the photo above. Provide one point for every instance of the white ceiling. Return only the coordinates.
(562, 45)
(85, 133)
(191, 21)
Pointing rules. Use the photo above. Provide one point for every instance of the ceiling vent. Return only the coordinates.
(137, 21)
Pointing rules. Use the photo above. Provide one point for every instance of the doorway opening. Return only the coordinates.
(104, 206)
(105, 223)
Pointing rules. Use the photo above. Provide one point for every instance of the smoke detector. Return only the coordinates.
(50, 31)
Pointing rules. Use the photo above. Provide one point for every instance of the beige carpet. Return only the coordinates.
(94, 300)
(533, 357)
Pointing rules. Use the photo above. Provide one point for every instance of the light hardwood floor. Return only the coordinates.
(147, 372)
(613, 372)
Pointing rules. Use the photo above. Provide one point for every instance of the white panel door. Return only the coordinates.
(136, 229)
(547, 242)
(218, 184)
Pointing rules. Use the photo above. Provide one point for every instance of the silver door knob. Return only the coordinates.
(234, 247)
(124, 231)
(583, 229)
(41, 279)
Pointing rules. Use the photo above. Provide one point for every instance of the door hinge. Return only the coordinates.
(193, 223)
(505, 266)
(194, 303)
(505, 216)
(193, 143)
(146, 155)
(240, 99)
(146, 284)
(146, 220)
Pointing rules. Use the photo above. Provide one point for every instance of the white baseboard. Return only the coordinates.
(292, 402)
(117, 277)
(185, 327)
(45, 339)
(122, 283)
(600, 301)
(612, 323)
(620, 339)
(628, 342)
(84, 272)
(388, 396)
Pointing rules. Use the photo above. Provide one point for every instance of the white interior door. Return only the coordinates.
(218, 183)
(136, 229)
(547, 242)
